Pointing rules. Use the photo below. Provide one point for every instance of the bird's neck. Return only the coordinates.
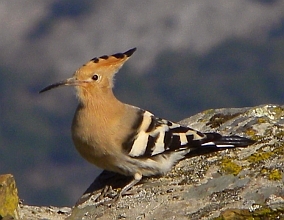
(100, 103)
(96, 115)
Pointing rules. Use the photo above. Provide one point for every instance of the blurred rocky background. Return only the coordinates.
(192, 55)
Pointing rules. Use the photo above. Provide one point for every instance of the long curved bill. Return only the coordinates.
(67, 82)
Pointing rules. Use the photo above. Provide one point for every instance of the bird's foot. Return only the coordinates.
(107, 192)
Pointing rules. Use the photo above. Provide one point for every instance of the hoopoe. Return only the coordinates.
(125, 139)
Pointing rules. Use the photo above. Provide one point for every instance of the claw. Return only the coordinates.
(104, 193)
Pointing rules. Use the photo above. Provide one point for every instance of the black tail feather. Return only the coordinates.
(217, 140)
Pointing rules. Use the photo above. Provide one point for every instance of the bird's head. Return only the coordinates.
(96, 75)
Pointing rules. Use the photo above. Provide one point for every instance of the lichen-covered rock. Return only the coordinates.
(8, 197)
(229, 184)
(242, 183)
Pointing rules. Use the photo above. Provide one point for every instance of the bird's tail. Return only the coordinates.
(217, 140)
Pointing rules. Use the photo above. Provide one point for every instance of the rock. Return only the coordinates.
(8, 197)
(43, 212)
(242, 183)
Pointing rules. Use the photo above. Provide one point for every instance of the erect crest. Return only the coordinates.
(118, 57)
(111, 63)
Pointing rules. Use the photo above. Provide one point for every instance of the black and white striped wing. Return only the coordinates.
(153, 136)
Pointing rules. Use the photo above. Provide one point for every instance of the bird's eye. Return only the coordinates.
(95, 77)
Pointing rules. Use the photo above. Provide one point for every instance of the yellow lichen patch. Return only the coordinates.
(261, 120)
(231, 214)
(262, 213)
(208, 111)
(257, 157)
(8, 196)
(228, 166)
(251, 133)
(279, 135)
(278, 111)
(275, 175)
(279, 149)
(272, 112)
(264, 171)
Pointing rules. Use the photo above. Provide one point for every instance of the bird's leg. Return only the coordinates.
(137, 178)
(107, 189)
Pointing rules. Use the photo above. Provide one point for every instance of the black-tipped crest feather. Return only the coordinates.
(130, 52)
